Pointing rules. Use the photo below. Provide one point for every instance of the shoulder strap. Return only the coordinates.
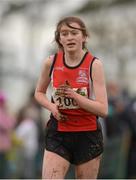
(91, 67)
(57, 56)
(52, 65)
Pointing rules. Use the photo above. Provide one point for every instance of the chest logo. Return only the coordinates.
(82, 76)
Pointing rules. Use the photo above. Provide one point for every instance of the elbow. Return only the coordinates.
(38, 96)
(104, 112)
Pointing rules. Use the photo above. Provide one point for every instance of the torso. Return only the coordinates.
(79, 79)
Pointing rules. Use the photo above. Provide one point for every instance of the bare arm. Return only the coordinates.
(42, 85)
(99, 106)
(41, 89)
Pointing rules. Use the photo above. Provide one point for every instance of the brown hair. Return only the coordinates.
(67, 21)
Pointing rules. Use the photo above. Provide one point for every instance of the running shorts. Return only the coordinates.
(76, 147)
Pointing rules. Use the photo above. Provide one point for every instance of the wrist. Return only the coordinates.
(76, 96)
(51, 107)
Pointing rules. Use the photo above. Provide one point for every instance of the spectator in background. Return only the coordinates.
(41, 123)
(6, 127)
(37, 115)
(116, 119)
(131, 121)
(26, 130)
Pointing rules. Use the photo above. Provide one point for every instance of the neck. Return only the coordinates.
(74, 57)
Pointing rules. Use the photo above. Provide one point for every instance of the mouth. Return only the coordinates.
(71, 44)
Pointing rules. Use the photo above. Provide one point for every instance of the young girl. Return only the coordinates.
(79, 97)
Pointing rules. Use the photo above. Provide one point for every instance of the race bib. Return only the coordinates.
(66, 102)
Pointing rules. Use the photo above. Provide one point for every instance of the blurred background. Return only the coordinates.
(26, 39)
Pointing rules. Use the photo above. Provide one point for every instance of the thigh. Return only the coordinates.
(54, 166)
(88, 170)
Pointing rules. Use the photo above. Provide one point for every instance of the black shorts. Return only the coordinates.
(76, 147)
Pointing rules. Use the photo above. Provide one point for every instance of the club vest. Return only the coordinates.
(79, 79)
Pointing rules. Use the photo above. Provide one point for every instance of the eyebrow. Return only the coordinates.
(68, 30)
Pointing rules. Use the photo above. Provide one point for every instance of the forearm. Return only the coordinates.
(53, 108)
(43, 100)
(93, 106)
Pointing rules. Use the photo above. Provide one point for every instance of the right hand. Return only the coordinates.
(56, 113)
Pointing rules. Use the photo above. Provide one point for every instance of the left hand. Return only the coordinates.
(69, 92)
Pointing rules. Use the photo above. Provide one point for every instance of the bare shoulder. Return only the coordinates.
(97, 69)
(46, 66)
(48, 62)
(97, 63)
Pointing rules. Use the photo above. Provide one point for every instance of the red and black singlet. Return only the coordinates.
(80, 80)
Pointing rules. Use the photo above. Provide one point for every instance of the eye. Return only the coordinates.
(74, 32)
(64, 33)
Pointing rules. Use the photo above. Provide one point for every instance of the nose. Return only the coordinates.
(69, 36)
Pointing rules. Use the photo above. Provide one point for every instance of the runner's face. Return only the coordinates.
(70, 38)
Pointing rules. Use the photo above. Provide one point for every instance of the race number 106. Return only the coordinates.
(66, 102)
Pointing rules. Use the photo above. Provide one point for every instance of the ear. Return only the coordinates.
(84, 39)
